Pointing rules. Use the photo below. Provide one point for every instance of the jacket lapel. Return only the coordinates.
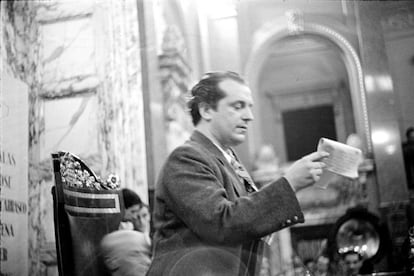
(237, 184)
(199, 138)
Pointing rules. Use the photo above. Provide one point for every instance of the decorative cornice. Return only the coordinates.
(398, 19)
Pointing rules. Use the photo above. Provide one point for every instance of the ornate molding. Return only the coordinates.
(398, 19)
(295, 21)
(266, 37)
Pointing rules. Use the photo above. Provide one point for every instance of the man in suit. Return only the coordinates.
(210, 218)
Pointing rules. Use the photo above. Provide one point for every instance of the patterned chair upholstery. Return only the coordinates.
(85, 209)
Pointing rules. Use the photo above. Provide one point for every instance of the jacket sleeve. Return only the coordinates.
(191, 184)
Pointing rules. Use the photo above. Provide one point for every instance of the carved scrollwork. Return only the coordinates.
(77, 175)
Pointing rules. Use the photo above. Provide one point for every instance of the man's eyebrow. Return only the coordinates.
(238, 102)
(241, 101)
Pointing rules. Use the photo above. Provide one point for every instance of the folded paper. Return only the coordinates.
(343, 160)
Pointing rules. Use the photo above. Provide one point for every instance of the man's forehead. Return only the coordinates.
(144, 209)
(230, 81)
(135, 207)
(351, 257)
(233, 88)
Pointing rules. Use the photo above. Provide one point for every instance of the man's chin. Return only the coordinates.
(239, 138)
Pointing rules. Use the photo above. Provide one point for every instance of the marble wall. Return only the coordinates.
(81, 61)
(20, 59)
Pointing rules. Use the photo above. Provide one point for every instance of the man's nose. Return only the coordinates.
(248, 114)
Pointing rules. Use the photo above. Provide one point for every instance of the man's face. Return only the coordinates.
(322, 264)
(229, 122)
(139, 216)
(352, 264)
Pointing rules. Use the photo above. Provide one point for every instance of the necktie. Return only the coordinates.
(252, 250)
(243, 175)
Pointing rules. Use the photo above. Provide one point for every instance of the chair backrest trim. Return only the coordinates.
(89, 210)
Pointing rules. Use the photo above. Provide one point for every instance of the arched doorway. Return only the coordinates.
(286, 57)
(282, 30)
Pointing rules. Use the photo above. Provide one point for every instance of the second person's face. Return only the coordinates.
(353, 264)
(139, 216)
(229, 124)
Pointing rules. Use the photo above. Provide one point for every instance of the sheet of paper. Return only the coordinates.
(343, 160)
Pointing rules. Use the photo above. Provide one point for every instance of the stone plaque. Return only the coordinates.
(13, 177)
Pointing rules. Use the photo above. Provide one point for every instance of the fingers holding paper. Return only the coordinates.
(306, 171)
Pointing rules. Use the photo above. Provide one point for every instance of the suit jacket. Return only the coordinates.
(206, 223)
(126, 252)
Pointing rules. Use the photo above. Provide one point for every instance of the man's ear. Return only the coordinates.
(205, 111)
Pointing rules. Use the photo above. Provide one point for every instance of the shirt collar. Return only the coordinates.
(226, 154)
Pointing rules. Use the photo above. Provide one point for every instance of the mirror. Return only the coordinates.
(360, 231)
(358, 235)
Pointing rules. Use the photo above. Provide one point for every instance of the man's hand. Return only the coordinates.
(306, 171)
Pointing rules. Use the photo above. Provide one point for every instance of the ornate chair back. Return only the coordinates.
(85, 209)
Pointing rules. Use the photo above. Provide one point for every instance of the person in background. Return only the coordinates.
(127, 252)
(322, 266)
(298, 265)
(310, 264)
(408, 245)
(352, 262)
(209, 216)
(408, 152)
(137, 215)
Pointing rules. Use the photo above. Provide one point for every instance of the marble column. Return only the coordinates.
(385, 135)
(120, 96)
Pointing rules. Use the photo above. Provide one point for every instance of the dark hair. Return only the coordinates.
(130, 198)
(207, 91)
(308, 260)
(352, 252)
(408, 131)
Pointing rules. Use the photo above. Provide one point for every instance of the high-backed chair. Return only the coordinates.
(85, 209)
